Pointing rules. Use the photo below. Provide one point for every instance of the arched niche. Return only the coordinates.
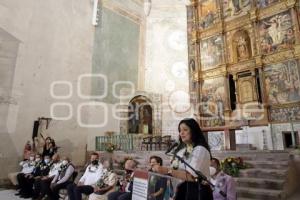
(140, 115)
(241, 46)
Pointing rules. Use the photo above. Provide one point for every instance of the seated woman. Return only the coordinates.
(106, 183)
(157, 184)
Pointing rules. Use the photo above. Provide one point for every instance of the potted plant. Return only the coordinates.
(232, 165)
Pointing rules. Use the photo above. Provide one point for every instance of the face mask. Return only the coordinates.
(37, 159)
(65, 162)
(47, 161)
(95, 162)
(31, 158)
(212, 171)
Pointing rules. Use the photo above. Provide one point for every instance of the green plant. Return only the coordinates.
(232, 165)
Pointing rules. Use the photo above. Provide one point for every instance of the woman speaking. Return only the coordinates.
(194, 149)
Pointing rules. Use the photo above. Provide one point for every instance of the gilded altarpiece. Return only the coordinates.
(241, 52)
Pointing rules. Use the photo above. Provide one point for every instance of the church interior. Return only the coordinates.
(117, 76)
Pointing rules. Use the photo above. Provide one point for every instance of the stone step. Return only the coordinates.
(254, 193)
(268, 164)
(260, 183)
(277, 174)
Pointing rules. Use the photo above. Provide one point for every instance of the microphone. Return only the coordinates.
(171, 148)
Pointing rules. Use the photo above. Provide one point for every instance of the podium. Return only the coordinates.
(145, 184)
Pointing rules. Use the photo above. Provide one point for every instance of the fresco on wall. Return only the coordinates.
(208, 13)
(265, 3)
(235, 8)
(282, 82)
(211, 52)
(213, 102)
(276, 33)
(285, 114)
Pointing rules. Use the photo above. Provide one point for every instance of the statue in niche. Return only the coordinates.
(242, 46)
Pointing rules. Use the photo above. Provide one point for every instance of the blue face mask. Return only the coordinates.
(47, 161)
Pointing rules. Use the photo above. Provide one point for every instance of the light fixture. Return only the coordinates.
(147, 7)
(95, 12)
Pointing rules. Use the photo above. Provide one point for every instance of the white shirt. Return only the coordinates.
(27, 166)
(92, 174)
(54, 169)
(199, 160)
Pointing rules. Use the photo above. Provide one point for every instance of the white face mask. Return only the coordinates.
(37, 159)
(65, 162)
(31, 158)
(212, 171)
(47, 161)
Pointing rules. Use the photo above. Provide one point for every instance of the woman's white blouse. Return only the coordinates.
(199, 159)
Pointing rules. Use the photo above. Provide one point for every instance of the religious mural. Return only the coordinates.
(282, 81)
(285, 114)
(235, 8)
(212, 52)
(265, 3)
(213, 101)
(208, 13)
(276, 32)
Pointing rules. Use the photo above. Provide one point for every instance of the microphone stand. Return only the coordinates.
(201, 177)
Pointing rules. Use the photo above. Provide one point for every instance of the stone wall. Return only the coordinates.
(166, 70)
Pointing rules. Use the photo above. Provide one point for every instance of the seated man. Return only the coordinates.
(27, 168)
(87, 182)
(157, 184)
(46, 169)
(41, 169)
(106, 184)
(222, 181)
(125, 192)
(62, 179)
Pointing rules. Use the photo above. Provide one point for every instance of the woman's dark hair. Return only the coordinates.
(158, 160)
(196, 133)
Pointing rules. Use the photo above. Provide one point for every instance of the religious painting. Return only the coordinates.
(139, 116)
(276, 33)
(241, 46)
(213, 101)
(235, 8)
(208, 13)
(282, 81)
(265, 3)
(212, 52)
(192, 65)
(285, 114)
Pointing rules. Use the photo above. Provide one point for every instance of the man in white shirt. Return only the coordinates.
(87, 182)
(27, 168)
(62, 179)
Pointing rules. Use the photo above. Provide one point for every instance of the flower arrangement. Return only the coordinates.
(109, 147)
(232, 165)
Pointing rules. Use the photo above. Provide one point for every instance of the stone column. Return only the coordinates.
(229, 139)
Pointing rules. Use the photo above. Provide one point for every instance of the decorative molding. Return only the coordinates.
(213, 30)
(236, 23)
(275, 9)
(277, 57)
(241, 66)
(212, 73)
